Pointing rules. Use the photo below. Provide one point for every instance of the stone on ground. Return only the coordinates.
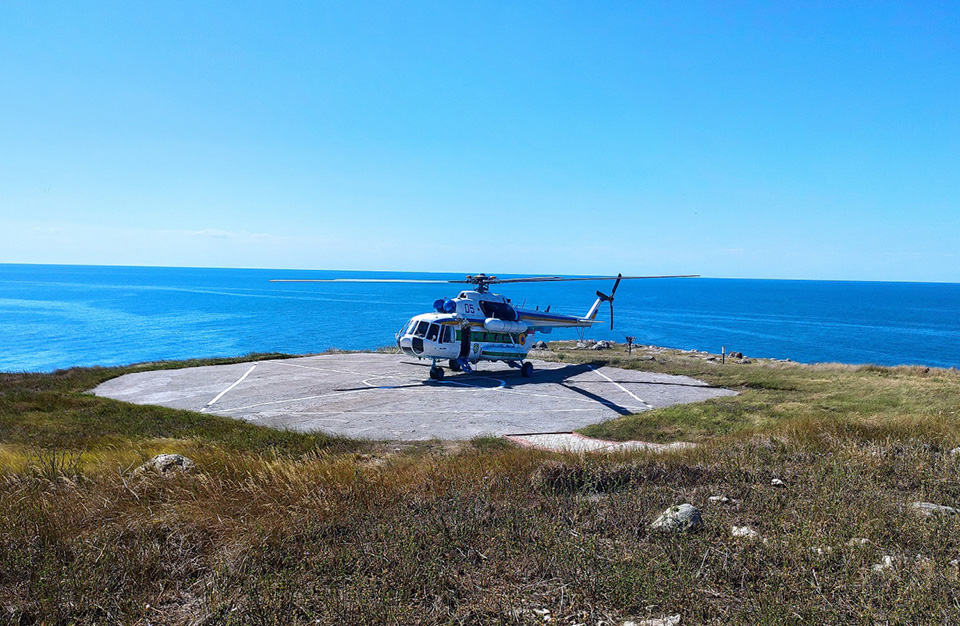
(168, 465)
(930, 509)
(678, 518)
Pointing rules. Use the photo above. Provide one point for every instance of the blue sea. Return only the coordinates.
(57, 316)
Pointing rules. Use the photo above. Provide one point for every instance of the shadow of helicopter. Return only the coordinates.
(512, 379)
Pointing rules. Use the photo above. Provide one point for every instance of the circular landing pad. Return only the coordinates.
(390, 396)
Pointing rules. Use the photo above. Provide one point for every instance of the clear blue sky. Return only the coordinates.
(766, 139)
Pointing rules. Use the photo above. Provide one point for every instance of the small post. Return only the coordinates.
(630, 344)
(723, 355)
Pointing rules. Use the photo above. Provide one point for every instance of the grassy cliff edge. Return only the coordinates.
(299, 528)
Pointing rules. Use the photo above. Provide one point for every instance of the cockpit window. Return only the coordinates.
(410, 327)
(421, 329)
(433, 332)
(447, 336)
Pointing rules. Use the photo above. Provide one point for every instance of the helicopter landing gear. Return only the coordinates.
(455, 365)
(526, 370)
(436, 373)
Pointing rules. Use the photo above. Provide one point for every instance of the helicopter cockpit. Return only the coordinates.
(426, 333)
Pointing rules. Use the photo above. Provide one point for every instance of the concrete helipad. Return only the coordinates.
(389, 396)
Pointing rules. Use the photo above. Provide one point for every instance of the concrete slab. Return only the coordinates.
(389, 396)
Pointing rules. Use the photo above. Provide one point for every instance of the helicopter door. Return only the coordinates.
(465, 341)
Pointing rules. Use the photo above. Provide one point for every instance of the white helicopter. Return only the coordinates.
(481, 326)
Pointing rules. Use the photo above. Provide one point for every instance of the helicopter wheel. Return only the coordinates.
(455, 366)
(436, 372)
(527, 370)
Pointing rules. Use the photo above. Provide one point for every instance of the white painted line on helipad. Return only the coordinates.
(224, 392)
(624, 389)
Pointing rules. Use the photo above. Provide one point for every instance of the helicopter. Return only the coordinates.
(478, 325)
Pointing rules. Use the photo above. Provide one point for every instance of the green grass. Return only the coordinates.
(774, 395)
(53, 411)
(291, 528)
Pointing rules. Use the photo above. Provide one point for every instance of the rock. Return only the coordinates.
(885, 564)
(585, 345)
(168, 465)
(955, 451)
(858, 541)
(540, 345)
(601, 345)
(820, 551)
(647, 357)
(744, 531)
(719, 499)
(744, 361)
(678, 518)
(930, 509)
(666, 620)
(776, 482)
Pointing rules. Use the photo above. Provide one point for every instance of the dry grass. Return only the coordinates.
(310, 531)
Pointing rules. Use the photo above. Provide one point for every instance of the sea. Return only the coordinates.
(61, 316)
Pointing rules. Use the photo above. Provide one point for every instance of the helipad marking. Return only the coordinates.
(624, 389)
(224, 392)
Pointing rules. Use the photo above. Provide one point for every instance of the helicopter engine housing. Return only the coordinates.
(494, 325)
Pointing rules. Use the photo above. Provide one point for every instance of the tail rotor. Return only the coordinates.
(605, 298)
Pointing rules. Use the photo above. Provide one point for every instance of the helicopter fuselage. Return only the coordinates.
(479, 326)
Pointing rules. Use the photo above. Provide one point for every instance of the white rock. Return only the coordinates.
(886, 564)
(666, 620)
(744, 531)
(168, 465)
(776, 482)
(930, 509)
(858, 541)
(681, 517)
(955, 451)
(719, 499)
(819, 551)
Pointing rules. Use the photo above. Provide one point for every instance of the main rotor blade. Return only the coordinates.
(549, 279)
(362, 280)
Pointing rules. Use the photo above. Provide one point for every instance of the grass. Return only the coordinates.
(292, 528)
(41, 411)
(774, 394)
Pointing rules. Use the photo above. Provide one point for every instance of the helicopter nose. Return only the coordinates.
(408, 346)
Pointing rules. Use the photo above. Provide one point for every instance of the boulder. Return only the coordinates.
(776, 482)
(168, 465)
(601, 345)
(540, 345)
(678, 518)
